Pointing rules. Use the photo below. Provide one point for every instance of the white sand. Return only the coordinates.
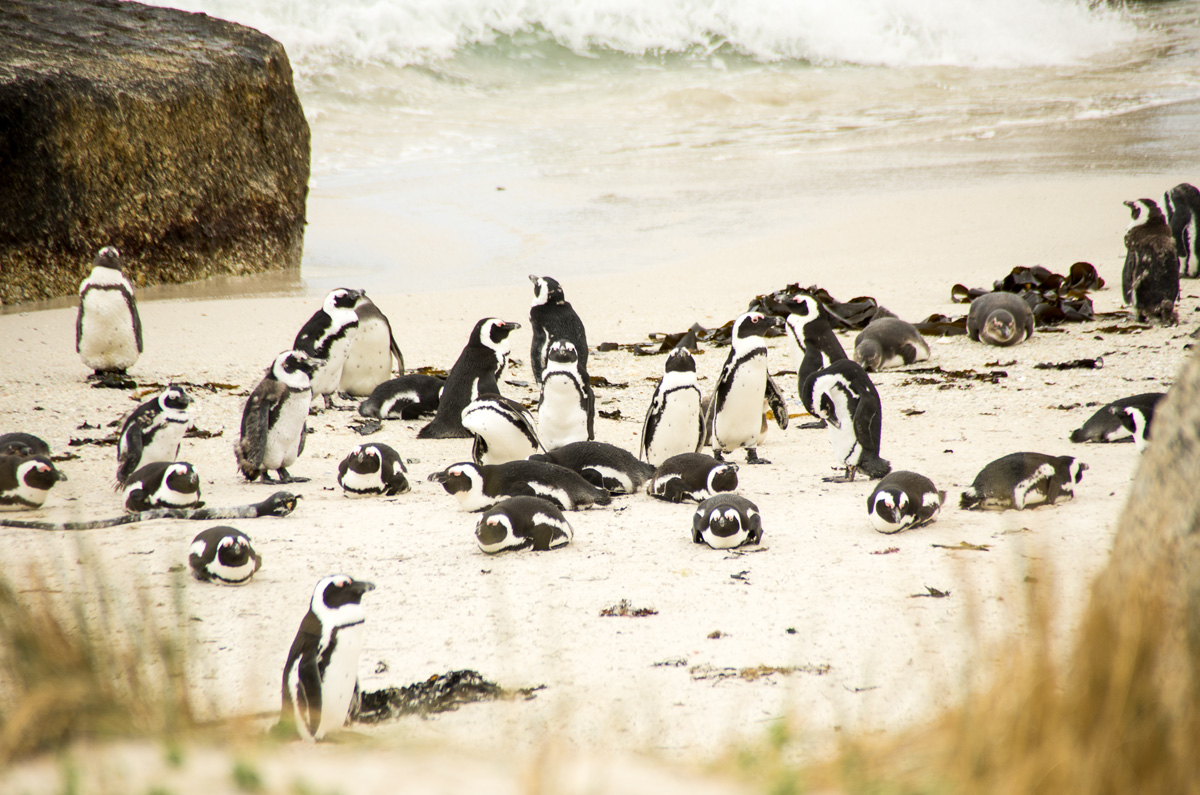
(815, 594)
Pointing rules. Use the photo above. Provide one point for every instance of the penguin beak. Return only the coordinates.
(512, 325)
(436, 477)
(533, 278)
(360, 587)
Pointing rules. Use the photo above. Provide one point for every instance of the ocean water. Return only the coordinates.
(471, 142)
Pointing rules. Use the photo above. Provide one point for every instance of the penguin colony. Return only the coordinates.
(522, 498)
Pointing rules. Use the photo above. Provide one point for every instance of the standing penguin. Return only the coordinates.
(327, 337)
(369, 360)
(522, 523)
(903, 499)
(25, 480)
(274, 420)
(153, 431)
(320, 676)
(735, 412)
(163, 484)
(726, 521)
(504, 430)
(1000, 319)
(817, 346)
(108, 330)
(845, 397)
(553, 318)
(1150, 278)
(477, 371)
(674, 423)
(223, 555)
(1182, 204)
(1022, 480)
(373, 468)
(567, 408)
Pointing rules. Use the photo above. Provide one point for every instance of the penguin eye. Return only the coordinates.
(341, 582)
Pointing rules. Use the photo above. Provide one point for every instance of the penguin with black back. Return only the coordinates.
(605, 465)
(1182, 204)
(1001, 319)
(108, 329)
(674, 422)
(476, 372)
(817, 346)
(19, 443)
(553, 318)
(727, 521)
(327, 338)
(405, 398)
(692, 476)
(223, 555)
(522, 523)
(153, 431)
(504, 430)
(735, 411)
(320, 677)
(844, 395)
(1023, 480)
(903, 500)
(26, 480)
(373, 468)
(1150, 278)
(163, 484)
(477, 487)
(1133, 414)
(274, 419)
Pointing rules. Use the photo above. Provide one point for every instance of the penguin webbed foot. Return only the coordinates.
(812, 426)
(846, 477)
(752, 457)
(111, 379)
(285, 477)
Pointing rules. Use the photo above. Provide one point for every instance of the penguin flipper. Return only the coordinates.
(262, 405)
(396, 354)
(129, 452)
(79, 325)
(134, 317)
(778, 404)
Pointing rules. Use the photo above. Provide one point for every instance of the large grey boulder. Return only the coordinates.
(176, 137)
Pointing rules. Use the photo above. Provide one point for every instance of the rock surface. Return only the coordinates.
(176, 137)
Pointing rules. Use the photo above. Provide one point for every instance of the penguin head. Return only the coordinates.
(342, 298)
(1000, 328)
(1075, 468)
(723, 477)
(233, 550)
(174, 398)
(724, 522)
(753, 324)
(108, 257)
(680, 361)
(493, 333)
(294, 368)
(38, 472)
(181, 478)
(1144, 211)
(869, 353)
(365, 459)
(562, 352)
(338, 598)
(803, 306)
(546, 291)
(458, 478)
(890, 506)
(494, 533)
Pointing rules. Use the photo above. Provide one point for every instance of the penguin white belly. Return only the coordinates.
(329, 372)
(369, 362)
(505, 442)
(842, 437)
(738, 422)
(561, 416)
(165, 444)
(24, 493)
(107, 340)
(337, 685)
(283, 439)
(678, 428)
(220, 570)
(359, 484)
(474, 500)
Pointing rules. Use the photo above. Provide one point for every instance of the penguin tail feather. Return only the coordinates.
(875, 468)
(971, 500)
(1078, 436)
(603, 497)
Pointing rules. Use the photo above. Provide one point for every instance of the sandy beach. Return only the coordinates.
(825, 593)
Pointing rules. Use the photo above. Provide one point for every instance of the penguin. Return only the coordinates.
(320, 677)
(903, 500)
(553, 318)
(274, 419)
(369, 360)
(477, 487)
(153, 431)
(567, 407)
(845, 397)
(605, 465)
(163, 484)
(522, 523)
(817, 346)
(727, 521)
(692, 476)
(674, 423)
(1133, 414)
(1000, 319)
(504, 430)
(223, 555)
(26, 480)
(735, 411)
(373, 468)
(327, 338)
(1150, 278)
(889, 342)
(1182, 205)
(24, 444)
(477, 371)
(108, 330)
(405, 398)
(1022, 480)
